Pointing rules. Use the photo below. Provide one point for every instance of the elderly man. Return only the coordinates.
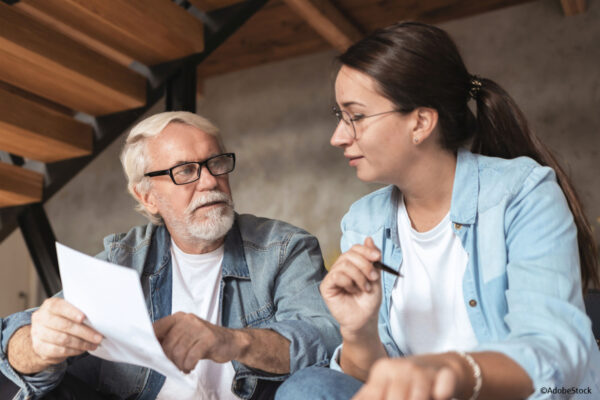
(234, 298)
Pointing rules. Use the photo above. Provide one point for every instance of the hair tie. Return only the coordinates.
(476, 85)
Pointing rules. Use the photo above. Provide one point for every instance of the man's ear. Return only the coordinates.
(426, 122)
(147, 198)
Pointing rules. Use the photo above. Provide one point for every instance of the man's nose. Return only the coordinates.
(207, 181)
(340, 137)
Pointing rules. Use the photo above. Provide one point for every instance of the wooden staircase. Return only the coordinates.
(74, 75)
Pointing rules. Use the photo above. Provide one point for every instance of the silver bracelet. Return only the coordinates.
(476, 374)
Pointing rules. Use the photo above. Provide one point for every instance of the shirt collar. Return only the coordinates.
(234, 260)
(465, 192)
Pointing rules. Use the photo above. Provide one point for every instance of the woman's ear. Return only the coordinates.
(426, 122)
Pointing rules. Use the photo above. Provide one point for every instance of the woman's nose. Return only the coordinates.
(340, 136)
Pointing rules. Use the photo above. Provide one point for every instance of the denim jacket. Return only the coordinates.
(270, 278)
(521, 286)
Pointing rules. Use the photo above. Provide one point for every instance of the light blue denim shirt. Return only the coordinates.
(522, 285)
(270, 280)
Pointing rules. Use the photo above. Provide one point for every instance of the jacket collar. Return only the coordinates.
(234, 260)
(465, 194)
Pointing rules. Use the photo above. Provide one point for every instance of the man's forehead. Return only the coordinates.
(182, 142)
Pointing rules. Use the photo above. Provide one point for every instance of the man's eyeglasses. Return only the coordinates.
(189, 172)
(349, 120)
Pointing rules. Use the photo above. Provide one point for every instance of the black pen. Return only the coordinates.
(383, 267)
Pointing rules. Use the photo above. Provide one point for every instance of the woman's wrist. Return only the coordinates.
(359, 352)
(466, 373)
(365, 334)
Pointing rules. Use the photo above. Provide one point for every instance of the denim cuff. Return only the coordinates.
(32, 385)
(307, 344)
(10, 324)
(306, 349)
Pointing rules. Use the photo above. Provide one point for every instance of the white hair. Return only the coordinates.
(135, 158)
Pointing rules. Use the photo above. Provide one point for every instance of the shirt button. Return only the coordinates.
(472, 302)
(457, 226)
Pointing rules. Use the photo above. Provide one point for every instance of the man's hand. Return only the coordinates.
(186, 339)
(56, 333)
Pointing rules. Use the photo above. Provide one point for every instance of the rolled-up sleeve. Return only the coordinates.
(302, 316)
(550, 334)
(32, 386)
(36, 385)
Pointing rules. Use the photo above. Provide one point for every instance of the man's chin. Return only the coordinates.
(211, 214)
(212, 227)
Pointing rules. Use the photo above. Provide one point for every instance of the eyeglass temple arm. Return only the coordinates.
(157, 173)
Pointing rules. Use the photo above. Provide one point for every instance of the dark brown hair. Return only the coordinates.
(418, 65)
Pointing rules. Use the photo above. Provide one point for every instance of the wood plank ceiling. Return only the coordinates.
(63, 59)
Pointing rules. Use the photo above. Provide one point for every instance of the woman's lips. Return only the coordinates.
(353, 161)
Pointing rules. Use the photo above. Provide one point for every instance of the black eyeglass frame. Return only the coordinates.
(339, 112)
(200, 165)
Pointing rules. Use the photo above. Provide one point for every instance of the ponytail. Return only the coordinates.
(501, 130)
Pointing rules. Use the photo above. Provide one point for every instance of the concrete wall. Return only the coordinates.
(18, 279)
(276, 117)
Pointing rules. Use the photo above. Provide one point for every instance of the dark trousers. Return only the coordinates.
(71, 388)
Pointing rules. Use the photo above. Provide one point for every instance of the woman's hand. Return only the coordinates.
(352, 291)
(437, 377)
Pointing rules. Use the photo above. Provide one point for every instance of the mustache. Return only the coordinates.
(205, 198)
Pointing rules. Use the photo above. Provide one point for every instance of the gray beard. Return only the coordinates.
(216, 221)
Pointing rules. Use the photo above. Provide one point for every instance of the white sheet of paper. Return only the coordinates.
(111, 298)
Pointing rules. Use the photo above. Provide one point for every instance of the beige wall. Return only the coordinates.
(18, 279)
(276, 117)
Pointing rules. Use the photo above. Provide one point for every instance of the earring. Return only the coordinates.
(416, 139)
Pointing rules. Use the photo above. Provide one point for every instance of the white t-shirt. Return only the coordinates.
(196, 281)
(428, 313)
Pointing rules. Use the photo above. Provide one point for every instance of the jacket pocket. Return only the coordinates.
(121, 380)
(260, 317)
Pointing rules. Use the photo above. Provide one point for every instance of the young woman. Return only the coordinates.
(491, 244)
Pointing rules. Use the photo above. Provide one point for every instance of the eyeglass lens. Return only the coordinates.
(344, 116)
(219, 165)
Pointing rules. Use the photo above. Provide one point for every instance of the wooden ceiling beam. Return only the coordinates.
(210, 5)
(38, 59)
(32, 130)
(573, 7)
(255, 44)
(327, 20)
(149, 31)
(19, 186)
